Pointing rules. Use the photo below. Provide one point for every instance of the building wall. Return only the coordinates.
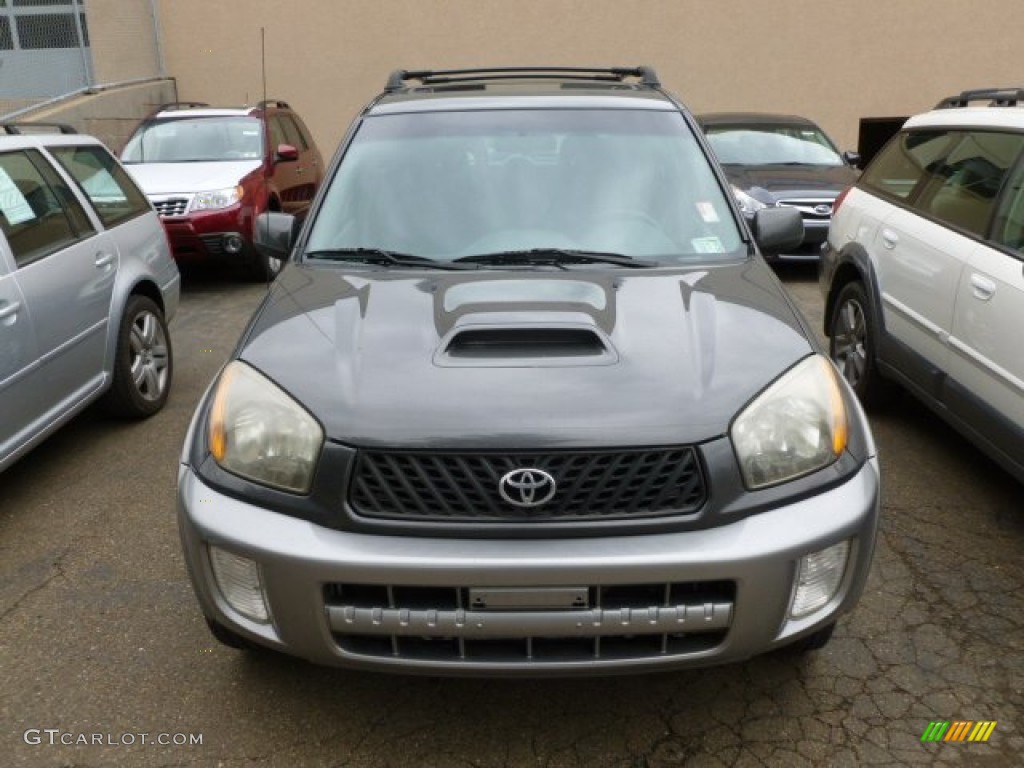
(834, 61)
(123, 39)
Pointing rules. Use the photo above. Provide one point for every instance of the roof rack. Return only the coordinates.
(180, 105)
(273, 103)
(398, 78)
(23, 129)
(997, 97)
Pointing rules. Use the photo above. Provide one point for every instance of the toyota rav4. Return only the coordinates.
(527, 400)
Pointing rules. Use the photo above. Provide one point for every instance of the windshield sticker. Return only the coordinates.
(13, 204)
(707, 212)
(707, 245)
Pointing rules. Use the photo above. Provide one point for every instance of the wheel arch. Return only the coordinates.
(854, 265)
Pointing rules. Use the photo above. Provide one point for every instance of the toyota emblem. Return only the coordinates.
(823, 210)
(527, 487)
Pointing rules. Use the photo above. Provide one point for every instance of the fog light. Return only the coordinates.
(818, 578)
(239, 581)
(233, 243)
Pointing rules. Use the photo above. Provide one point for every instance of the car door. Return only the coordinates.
(295, 180)
(66, 268)
(987, 365)
(19, 403)
(918, 260)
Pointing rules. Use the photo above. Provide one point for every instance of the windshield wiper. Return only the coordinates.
(554, 256)
(383, 257)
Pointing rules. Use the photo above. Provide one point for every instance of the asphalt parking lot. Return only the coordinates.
(103, 653)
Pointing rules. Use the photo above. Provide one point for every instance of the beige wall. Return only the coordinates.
(833, 60)
(123, 40)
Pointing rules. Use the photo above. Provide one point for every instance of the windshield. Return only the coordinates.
(450, 185)
(772, 145)
(193, 140)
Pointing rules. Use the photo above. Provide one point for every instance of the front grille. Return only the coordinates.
(464, 487)
(174, 206)
(628, 621)
(808, 207)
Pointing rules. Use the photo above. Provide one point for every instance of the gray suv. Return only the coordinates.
(526, 399)
(87, 286)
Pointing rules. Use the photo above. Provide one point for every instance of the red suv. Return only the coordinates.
(210, 171)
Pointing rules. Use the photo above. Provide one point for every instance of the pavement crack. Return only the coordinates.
(57, 572)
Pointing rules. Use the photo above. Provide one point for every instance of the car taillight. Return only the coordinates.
(839, 200)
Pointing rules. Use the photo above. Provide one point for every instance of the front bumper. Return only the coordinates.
(399, 603)
(203, 235)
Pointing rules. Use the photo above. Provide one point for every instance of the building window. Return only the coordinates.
(6, 41)
(49, 30)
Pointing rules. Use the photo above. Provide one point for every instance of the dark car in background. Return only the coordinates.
(211, 171)
(782, 160)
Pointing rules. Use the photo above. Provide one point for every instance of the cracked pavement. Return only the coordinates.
(100, 634)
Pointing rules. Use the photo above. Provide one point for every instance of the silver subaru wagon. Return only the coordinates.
(87, 287)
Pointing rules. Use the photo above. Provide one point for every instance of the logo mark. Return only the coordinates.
(959, 730)
(527, 487)
(823, 210)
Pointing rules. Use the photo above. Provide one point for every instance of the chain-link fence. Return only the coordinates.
(53, 48)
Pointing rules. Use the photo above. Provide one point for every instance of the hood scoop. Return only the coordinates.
(525, 345)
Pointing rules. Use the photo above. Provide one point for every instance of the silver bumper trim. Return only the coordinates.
(656, 620)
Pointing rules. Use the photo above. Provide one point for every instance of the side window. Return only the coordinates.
(112, 193)
(964, 194)
(277, 134)
(1008, 227)
(38, 212)
(907, 162)
(295, 137)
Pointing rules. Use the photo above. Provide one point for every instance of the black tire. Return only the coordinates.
(852, 336)
(143, 362)
(265, 269)
(814, 641)
(227, 637)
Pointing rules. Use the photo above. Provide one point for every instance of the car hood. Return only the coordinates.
(186, 178)
(525, 359)
(786, 181)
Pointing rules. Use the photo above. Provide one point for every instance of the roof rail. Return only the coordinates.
(646, 75)
(28, 128)
(997, 97)
(273, 103)
(180, 105)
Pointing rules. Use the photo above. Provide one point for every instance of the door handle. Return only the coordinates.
(890, 239)
(103, 260)
(9, 312)
(982, 288)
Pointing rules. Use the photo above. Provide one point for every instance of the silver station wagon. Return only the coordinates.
(527, 400)
(87, 286)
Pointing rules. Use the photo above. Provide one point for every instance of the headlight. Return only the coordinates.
(748, 205)
(258, 432)
(794, 427)
(221, 198)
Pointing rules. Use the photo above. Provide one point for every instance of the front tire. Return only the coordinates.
(143, 362)
(852, 345)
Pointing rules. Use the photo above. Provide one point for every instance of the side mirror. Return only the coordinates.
(286, 153)
(778, 230)
(275, 234)
(852, 158)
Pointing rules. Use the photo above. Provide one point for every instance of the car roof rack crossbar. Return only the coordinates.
(997, 97)
(275, 103)
(180, 105)
(399, 77)
(28, 128)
